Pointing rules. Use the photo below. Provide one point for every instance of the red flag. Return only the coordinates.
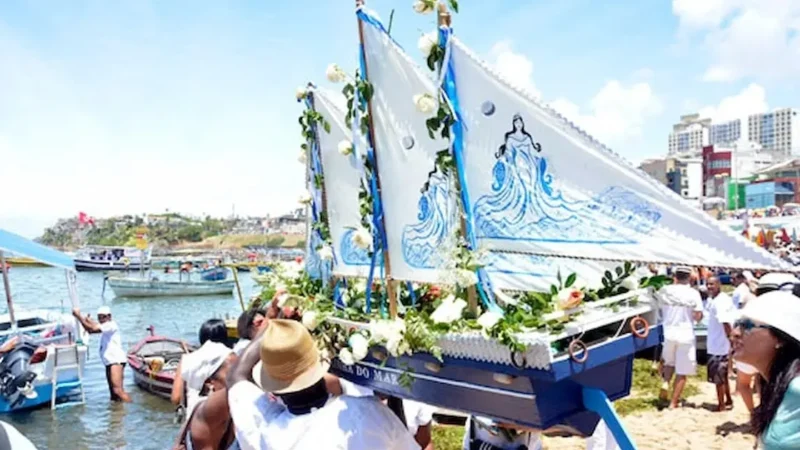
(84, 219)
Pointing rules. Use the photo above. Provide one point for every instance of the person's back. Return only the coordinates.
(677, 312)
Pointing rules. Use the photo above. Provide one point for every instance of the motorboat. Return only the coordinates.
(105, 258)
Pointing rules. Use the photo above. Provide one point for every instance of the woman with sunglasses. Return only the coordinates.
(769, 340)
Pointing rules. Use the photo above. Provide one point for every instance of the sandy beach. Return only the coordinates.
(694, 426)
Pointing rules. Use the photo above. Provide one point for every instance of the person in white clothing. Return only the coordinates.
(681, 308)
(111, 351)
(285, 361)
(743, 292)
(721, 317)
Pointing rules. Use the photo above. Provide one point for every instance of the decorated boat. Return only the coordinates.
(216, 273)
(154, 287)
(154, 361)
(43, 351)
(105, 258)
(470, 248)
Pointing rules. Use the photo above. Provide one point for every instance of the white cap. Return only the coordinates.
(778, 309)
(198, 366)
(776, 280)
(104, 311)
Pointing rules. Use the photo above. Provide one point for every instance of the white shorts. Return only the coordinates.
(744, 368)
(682, 356)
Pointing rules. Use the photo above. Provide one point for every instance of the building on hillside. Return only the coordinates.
(690, 134)
(778, 130)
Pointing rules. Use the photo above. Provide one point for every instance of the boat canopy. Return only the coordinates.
(10, 242)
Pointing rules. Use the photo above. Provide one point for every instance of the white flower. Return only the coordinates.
(359, 346)
(301, 93)
(325, 354)
(310, 320)
(570, 298)
(345, 298)
(325, 253)
(398, 346)
(449, 310)
(346, 357)
(362, 238)
(466, 278)
(489, 319)
(427, 41)
(345, 147)
(425, 103)
(424, 6)
(305, 199)
(302, 158)
(505, 298)
(386, 330)
(630, 283)
(335, 74)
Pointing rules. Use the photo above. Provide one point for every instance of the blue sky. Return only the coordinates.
(138, 106)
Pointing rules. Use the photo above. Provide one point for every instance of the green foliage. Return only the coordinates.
(191, 233)
(275, 241)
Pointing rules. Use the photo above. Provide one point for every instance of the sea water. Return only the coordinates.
(147, 422)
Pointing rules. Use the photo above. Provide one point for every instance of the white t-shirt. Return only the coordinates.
(741, 295)
(680, 301)
(345, 422)
(240, 345)
(531, 440)
(111, 351)
(17, 440)
(417, 414)
(720, 310)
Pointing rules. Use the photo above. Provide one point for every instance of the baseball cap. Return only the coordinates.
(104, 311)
(778, 309)
(201, 364)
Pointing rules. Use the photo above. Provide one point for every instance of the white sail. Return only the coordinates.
(342, 181)
(419, 215)
(539, 185)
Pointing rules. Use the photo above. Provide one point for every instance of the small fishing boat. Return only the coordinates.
(141, 287)
(45, 351)
(20, 261)
(154, 361)
(103, 258)
(215, 273)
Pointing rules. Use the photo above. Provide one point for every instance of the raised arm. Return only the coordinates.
(177, 386)
(88, 324)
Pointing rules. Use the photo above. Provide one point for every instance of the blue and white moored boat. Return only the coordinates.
(44, 351)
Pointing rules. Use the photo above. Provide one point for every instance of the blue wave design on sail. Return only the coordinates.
(352, 255)
(422, 240)
(314, 265)
(524, 204)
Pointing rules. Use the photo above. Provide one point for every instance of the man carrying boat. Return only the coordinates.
(111, 351)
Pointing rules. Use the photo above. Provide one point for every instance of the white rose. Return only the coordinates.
(305, 199)
(386, 330)
(489, 319)
(397, 346)
(427, 41)
(301, 93)
(310, 320)
(630, 283)
(359, 346)
(345, 147)
(335, 74)
(325, 253)
(424, 6)
(449, 310)
(425, 103)
(302, 158)
(346, 357)
(282, 299)
(466, 278)
(362, 238)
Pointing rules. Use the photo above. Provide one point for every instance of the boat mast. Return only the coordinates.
(7, 287)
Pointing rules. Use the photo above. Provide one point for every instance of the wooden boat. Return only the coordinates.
(154, 361)
(214, 274)
(138, 287)
(100, 258)
(23, 261)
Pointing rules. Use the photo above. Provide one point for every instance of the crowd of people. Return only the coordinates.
(272, 390)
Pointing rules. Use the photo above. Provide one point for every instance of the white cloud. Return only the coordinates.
(616, 113)
(516, 67)
(745, 38)
(751, 100)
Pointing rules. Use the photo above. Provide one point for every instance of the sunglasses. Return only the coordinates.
(748, 325)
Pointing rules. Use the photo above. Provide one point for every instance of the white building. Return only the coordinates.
(778, 130)
(726, 132)
(690, 134)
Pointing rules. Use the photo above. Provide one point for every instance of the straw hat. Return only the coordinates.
(290, 360)
(778, 309)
